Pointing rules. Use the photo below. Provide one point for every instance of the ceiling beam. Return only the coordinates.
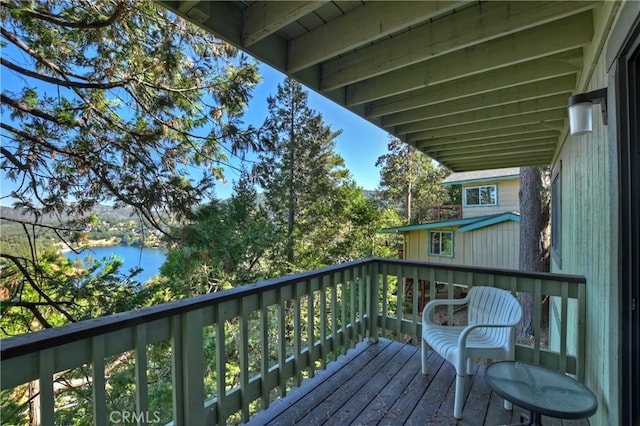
(482, 135)
(264, 18)
(374, 20)
(464, 154)
(497, 163)
(568, 34)
(562, 65)
(545, 119)
(441, 36)
(433, 146)
(492, 113)
(556, 86)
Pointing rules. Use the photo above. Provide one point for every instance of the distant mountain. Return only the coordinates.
(103, 211)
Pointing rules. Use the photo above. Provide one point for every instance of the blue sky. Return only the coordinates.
(360, 144)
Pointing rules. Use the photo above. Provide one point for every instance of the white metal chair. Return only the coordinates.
(490, 333)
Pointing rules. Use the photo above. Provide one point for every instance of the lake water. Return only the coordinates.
(147, 258)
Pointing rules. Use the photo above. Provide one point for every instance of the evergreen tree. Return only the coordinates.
(115, 101)
(409, 180)
(299, 170)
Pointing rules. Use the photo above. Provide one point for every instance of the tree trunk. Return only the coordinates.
(533, 224)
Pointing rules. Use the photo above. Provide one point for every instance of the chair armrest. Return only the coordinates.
(462, 340)
(439, 302)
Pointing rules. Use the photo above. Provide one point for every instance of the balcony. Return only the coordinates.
(288, 335)
(439, 213)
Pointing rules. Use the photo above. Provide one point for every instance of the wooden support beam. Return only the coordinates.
(536, 43)
(554, 102)
(448, 34)
(560, 85)
(435, 146)
(563, 65)
(264, 18)
(488, 135)
(374, 20)
(545, 120)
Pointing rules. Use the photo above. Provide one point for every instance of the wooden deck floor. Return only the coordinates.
(381, 384)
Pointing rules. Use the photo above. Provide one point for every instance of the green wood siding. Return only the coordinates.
(589, 239)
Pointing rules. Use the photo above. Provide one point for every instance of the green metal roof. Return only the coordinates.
(468, 224)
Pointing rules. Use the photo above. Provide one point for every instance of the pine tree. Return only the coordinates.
(298, 169)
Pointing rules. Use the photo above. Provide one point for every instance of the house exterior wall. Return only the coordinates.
(508, 199)
(589, 243)
(494, 246)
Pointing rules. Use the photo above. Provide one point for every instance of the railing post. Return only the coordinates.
(373, 292)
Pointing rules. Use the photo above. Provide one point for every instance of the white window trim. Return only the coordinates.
(464, 195)
(453, 251)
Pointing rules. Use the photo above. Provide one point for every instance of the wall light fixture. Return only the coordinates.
(580, 107)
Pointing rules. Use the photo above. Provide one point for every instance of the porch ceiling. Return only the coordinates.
(476, 85)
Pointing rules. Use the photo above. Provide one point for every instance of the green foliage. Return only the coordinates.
(410, 180)
(225, 245)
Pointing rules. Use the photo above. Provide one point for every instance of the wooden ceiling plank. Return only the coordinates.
(560, 85)
(509, 110)
(465, 153)
(482, 135)
(561, 65)
(469, 27)
(545, 119)
(262, 19)
(547, 135)
(486, 164)
(361, 26)
(565, 35)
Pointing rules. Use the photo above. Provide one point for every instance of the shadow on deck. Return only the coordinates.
(382, 384)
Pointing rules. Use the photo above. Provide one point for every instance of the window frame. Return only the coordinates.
(479, 188)
(430, 249)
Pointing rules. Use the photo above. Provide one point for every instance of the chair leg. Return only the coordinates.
(469, 367)
(459, 396)
(424, 354)
(508, 405)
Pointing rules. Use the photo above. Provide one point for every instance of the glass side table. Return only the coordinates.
(542, 391)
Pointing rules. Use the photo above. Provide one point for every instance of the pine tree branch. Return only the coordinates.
(29, 110)
(64, 83)
(45, 16)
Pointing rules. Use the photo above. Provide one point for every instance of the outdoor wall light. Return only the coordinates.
(580, 106)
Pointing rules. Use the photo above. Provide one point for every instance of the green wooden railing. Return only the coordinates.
(265, 338)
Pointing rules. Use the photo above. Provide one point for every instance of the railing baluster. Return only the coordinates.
(414, 303)
(243, 353)
(353, 289)
(142, 394)
(563, 328)
(334, 316)
(297, 334)
(344, 297)
(385, 297)
(311, 314)
(221, 367)
(537, 297)
(400, 301)
(193, 358)
(45, 386)
(177, 364)
(98, 381)
(264, 350)
(450, 295)
(282, 348)
(323, 322)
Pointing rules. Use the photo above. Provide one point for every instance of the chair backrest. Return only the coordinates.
(490, 305)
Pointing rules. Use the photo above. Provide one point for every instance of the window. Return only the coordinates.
(481, 196)
(556, 215)
(441, 243)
